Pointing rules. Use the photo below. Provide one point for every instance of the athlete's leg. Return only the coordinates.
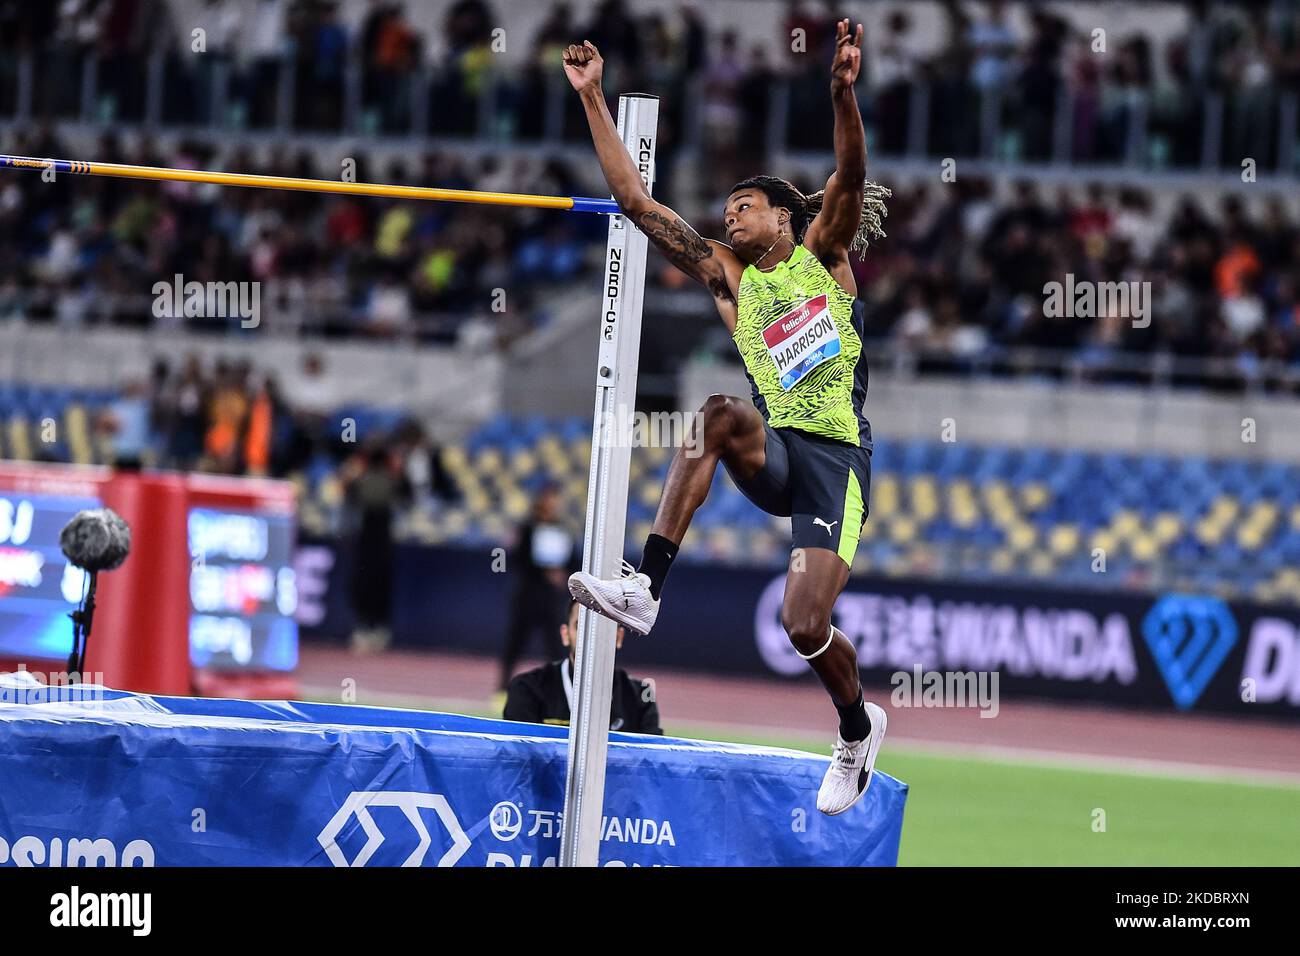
(810, 594)
(726, 429)
(812, 585)
(829, 497)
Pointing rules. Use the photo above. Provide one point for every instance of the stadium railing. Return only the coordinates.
(510, 106)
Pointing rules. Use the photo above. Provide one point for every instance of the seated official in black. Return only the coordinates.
(543, 695)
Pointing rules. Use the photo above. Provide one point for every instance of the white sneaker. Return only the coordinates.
(851, 767)
(626, 599)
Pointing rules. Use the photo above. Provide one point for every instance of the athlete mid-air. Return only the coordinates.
(785, 290)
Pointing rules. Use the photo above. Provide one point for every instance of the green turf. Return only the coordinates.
(984, 812)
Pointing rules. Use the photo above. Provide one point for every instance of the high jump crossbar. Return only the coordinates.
(616, 373)
(77, 167)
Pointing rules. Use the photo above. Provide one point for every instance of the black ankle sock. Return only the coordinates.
(656, 559)
(854, 723)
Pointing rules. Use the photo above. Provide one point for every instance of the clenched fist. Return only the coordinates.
(583, 66)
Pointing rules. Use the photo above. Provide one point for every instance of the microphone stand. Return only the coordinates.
(82, 619)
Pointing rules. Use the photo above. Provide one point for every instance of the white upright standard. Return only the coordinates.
(611, 455)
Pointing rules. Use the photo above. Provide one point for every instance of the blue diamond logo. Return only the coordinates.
(1189, 636)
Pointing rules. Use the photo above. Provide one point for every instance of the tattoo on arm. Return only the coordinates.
(678, 241)
(683, 247)
(718, 286)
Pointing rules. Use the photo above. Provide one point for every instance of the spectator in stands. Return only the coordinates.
(613, 28)
(227, 409)
(893, 72)
(993, 44)
(544, 695)
(422, 465)
(374, 488)
(186, 401)
(125, 423)
(161, 410)
(391, 51)
(258, 431)
(220, 22)
(267, 37)
(467, 31)
(545, 553)
(322, 47)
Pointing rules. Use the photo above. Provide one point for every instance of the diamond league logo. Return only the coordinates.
(410, 803)
(1189, 637)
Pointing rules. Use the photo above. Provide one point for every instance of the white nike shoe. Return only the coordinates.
(626, 599)
(851, 767)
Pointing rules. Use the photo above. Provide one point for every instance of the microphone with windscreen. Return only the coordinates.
(95, 540)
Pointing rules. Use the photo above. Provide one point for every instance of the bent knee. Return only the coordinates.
(807, 630)
(718, 407)
(721, 416)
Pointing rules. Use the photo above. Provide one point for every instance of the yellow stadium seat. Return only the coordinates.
(1125, 523)
(924, 498)
(1063, 539)
(1103, 540)
(885, 496)
(902, 529)
(1022, 536)
(1042, 564)
(1001, 560)
(522, 462)
(1167, 527)
(77, 427)
(1145, 548)
(1034, 495)
(20, 444)
(516, 504)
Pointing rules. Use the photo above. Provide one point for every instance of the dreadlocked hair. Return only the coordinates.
(803, 208)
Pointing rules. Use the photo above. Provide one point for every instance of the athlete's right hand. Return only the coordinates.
(583, 66)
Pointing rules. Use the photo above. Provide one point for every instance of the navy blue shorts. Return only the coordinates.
(821, 484)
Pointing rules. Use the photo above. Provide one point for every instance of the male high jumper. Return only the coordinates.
(784, 288)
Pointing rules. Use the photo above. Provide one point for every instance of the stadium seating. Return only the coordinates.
(970, 511)
(1048, 515)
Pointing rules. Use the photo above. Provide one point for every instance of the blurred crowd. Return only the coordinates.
(1245, 56)
(91, 251)
(960, 276)
(223, 419)
(1036, 57)
(232, 418)
(963, 276)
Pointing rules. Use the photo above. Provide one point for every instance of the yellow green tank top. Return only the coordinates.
(801, 342)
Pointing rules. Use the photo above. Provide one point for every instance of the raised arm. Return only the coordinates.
(831, 231)
(701, 259)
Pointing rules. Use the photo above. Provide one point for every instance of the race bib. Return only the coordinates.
(801, 340)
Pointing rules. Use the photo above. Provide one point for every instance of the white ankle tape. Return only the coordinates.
(820, 650)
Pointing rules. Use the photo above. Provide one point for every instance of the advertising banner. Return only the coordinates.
(1163, 650)
(129, 780)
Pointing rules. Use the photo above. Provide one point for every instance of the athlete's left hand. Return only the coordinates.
(848, 55)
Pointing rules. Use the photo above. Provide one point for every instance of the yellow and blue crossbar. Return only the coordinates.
(79, 167)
